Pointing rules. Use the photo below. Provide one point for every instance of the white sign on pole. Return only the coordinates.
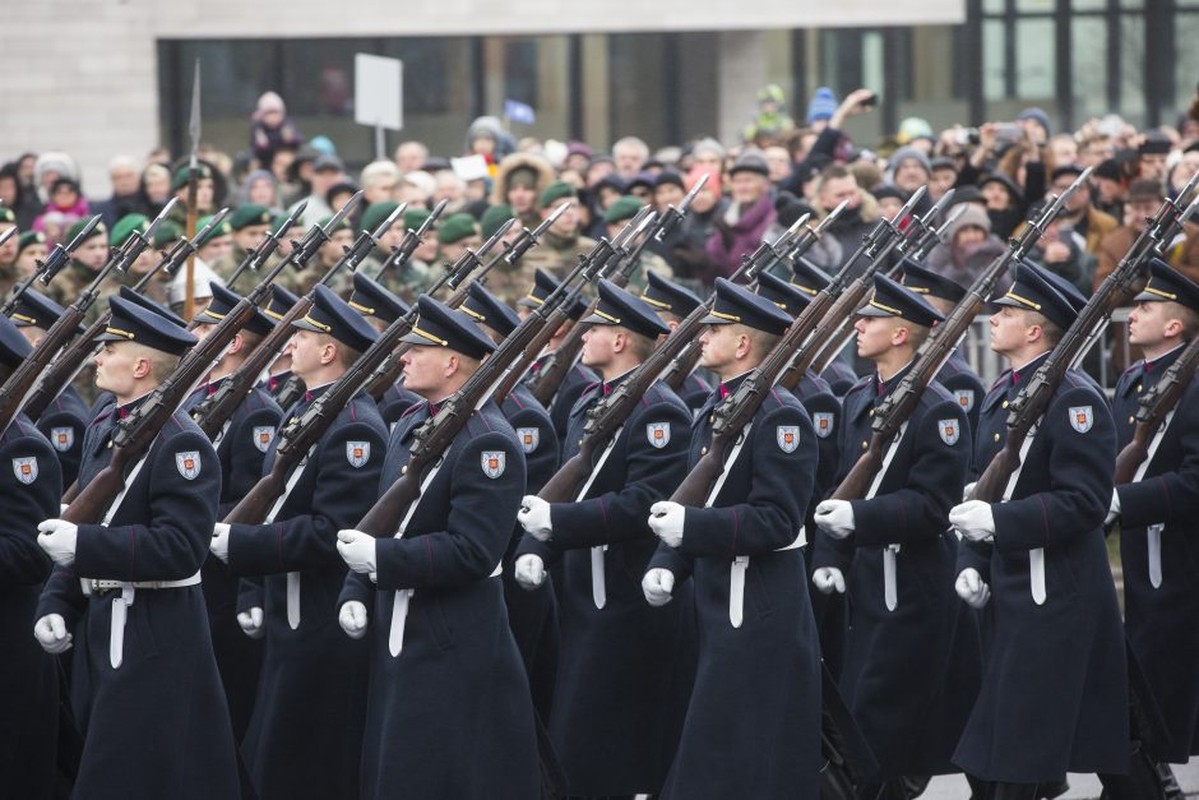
(379, 91)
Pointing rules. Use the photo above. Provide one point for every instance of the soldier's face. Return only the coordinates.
(116, 364)
(425, 368)
(1147, 323)
(598, 344)
(720, 344)
(568, 224)
(392, 237)
(875, 335)
(216, 248)
(1009, 329)
(308, 350)
(8, 250)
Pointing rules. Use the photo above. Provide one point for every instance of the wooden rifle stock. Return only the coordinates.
(1155, 407)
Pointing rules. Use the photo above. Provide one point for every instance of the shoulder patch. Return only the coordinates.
(950, 431)
(494, 462)
(787, 437)
(1082, 418)
(529, 438)
(25, 469)
(823, 422)
(658, 434)
(62, 438)
(188, 464)
(965, 398)
(262, 436)
(358, 453)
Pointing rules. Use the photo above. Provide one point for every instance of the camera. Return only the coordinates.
(965, 136)
(869, 102)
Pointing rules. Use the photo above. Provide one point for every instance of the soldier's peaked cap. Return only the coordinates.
(438, 325)
(131, 322)
(1168, 284)
(618, 307)
(486, 309)
(331, 315)
(371, 299)
(891, 299)
(668, 296)
(738, 305)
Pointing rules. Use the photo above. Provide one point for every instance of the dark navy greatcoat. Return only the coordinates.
(910, 673)
(618, 705)
(1162, 622)
(63, 423)
(395, 401)
(30, 485)
(840, 376)
(241, 449)
(157, 725)
(577, 379)
(533, 615)
(961, 381)
(305, 734)
(451, 715)
(1054, 694)
(753, 724)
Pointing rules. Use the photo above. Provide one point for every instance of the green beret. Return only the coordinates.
(100, 230)
(249, 214)
(455, 228)
(494, 217)
(555, 192)
(414, 218)
(375, 214)
(344, 225)
(125, 226)
(8, 215)
(223, 229)
(166, 233)
(30, 238)
(624, 208)
(182, 174)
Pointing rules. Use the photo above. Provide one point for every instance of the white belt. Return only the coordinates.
(599, 589)
(890, 588)
(121, 603)
(399, 614)
(737, 572)
(1153, 536)
(1036, 556)
(293, 578)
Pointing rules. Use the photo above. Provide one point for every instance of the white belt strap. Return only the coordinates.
(399, 605)
(293, 578)
(740, 564)
(121, 603)
(599, 589)
(890, 588)
(1036, 556)
(1153, 536)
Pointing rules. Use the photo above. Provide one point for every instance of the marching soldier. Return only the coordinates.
(1043, 711)
(674, 302)
(280, 370)
(753, 724)
(31, 485)
(910, 667)
(241, 448)
(619, 662)
(65, 419)
(449, 712)
(956, 376)
(126, 593)
(810, 279)
(580, 375)
(304, 738)
(1157, 515)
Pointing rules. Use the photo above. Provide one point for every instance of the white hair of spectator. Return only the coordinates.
(709, 145)
(116, 162)
(376, 170)
(423, 181)
(632, 144)
(669, 155)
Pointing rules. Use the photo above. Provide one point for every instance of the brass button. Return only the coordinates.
(997, 437)
(1140, 387)
(1131, 420)
(703, 451)
(1005, 404)
(404, 471)
(865, 445)
(872, 412)
(711, 419)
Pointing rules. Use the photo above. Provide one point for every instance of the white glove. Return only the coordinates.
(51, 633)
(251, 622)
(58, 538)
(534, 517)
(971, 587)
(968, 491)
(220, 541)
(352, 618)
(666, 521)
(1114, 511)
(529, 571)
(828, 580)
(974, 520)
(657, 585)
(357, 549)
(835, 517)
